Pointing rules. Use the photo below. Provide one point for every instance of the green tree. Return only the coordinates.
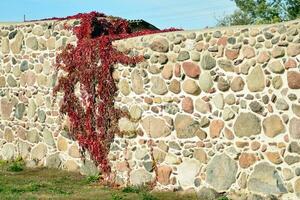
(262, 12)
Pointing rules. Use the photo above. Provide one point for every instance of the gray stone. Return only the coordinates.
(20, 109)
(256, 80)
(53, 161)
(208, 62)
(11, 81)
(294, 147)
(33, 136)
(39, 152)
(267, 178)
(281, 104)
(149, 166)
(137, 84)
(185, 126)
(171, 108)
(158, 86)
(88, 168)
(8, 151)
(223, 84)
(218, 100)
(41, 116)
(32, 43)
(207, 194)
(219, 167)
(256, 107)
(226, 65)
(183, 55)
(155, 127)
(187, 172)
(205, 81)
(24, 66)
(296, 109)
(23, 149)
(48, 137)
(140, 177)
(247, 124)
(290, 159)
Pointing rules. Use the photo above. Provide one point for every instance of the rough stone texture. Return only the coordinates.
(205, 81)
(293, 78)
(196, 95)
(160, 45)
(185, 126)
(191, 69)
(256, 80)
(158, 86)
(140, 177)
(163, 174)
(247, 124)
(273, 126)
(294, 128)
(218, 168)
(155, 127)
(268, 179)
(187, 172)
(207, 62)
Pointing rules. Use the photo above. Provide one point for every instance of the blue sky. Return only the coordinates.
(187, 14)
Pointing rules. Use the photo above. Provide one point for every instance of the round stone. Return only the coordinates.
(190, 86)
(191, 69)
(237, 84)
(273, 126)
(158, 86)
(135, 112)
(160, 45)
(205, 81)
(256, 80)
(207, 62)
(247, 124)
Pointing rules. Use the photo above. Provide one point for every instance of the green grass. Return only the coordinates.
(18, 182)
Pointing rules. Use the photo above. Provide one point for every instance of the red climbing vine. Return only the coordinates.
(92, 115)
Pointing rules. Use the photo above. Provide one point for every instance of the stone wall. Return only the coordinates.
(213, 110)
(31, 126)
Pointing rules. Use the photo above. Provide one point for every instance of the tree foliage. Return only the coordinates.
(262, 12)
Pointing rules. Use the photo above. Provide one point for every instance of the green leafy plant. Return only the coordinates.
(16, 167)
(147, 196)
(116, 197)
(223, 198)
(132, 189)
(93, 178)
